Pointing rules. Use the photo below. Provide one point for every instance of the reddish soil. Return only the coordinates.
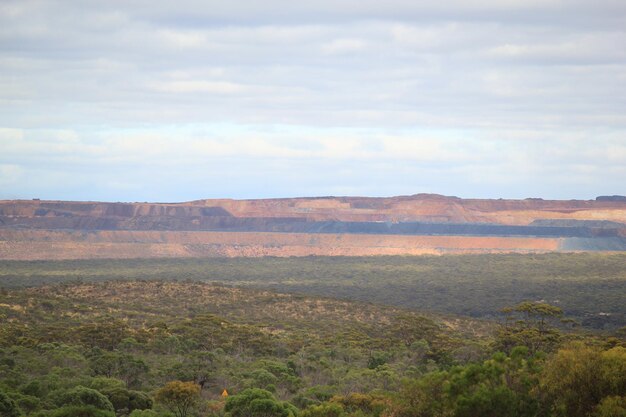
(40, 244)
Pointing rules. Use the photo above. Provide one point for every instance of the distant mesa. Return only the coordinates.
(611, 198)
(350, 226)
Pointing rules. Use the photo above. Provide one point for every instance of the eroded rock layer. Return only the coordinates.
(308, 226)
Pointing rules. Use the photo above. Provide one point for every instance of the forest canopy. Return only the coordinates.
(190, 349)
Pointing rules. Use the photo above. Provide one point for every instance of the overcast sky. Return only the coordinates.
(180, 100)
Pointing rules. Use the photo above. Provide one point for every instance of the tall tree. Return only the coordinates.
(179, 397)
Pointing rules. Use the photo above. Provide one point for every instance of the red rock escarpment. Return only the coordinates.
(222, 227)
(421, 208)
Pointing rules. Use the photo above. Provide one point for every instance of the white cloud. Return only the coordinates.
(183, 39)
(466, 94)
(200, 86)
(10, 175)
(579, 48)
(343, 46)
(8, 135)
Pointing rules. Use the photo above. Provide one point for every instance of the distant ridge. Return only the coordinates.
(611, 198)
(421, 223)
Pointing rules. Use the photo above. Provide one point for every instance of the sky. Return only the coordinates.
(176, 101)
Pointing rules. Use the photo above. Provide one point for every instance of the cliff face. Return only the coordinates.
(270, 226)
(417, 208)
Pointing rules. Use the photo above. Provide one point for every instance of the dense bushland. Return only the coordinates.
(589, 287)
(162, 348)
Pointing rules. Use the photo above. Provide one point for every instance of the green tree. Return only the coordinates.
(410, 328)
(83, 396)
(363, 404)
(488, 402)
(529, 324)
(424, 397)
(179, 397)
(255, 402)
(324, 410)
(8, 407)
(498, 387)
(195, 366)
(144, 413)
(119, 365)
(580, 377)
(103, 383)
(612, 406)
(127, 400)
(28, 403)
(105, 333)
(81, 411)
